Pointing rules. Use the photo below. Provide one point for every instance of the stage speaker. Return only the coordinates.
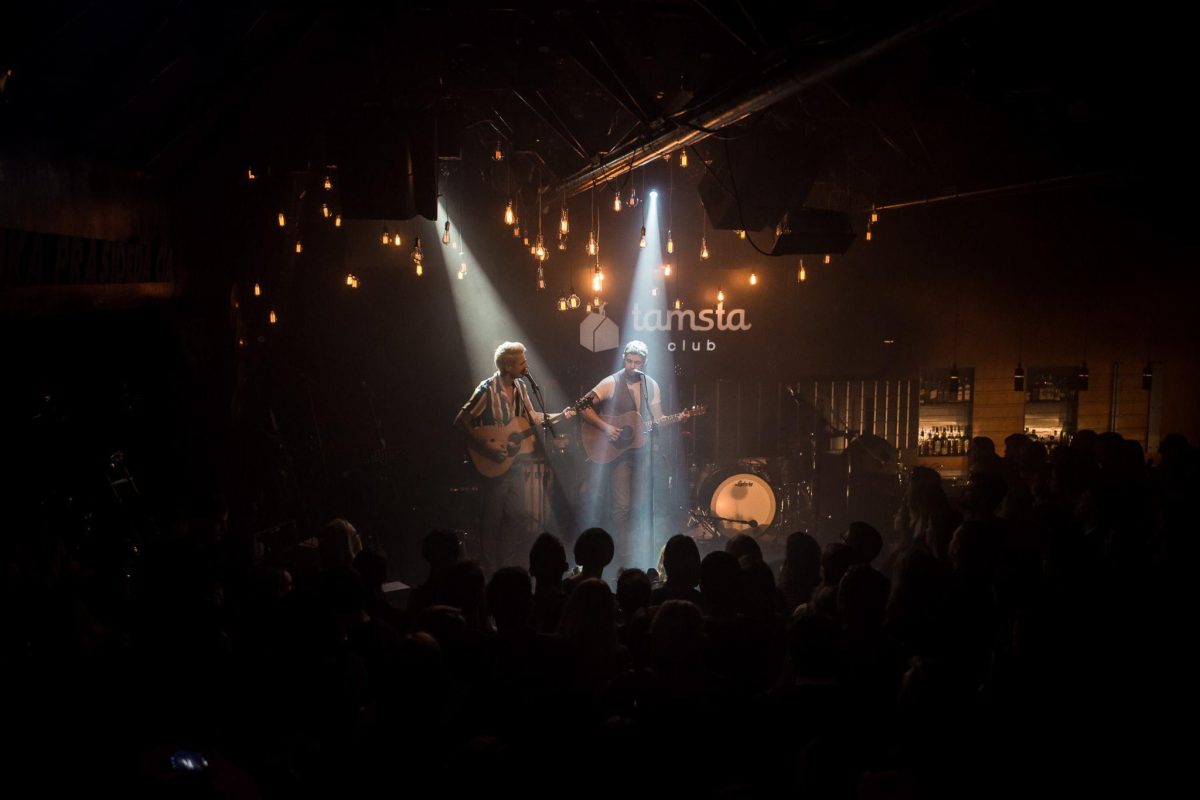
(814, 230)
(387, 164)
(771, 167)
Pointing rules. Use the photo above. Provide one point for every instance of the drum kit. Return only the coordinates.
(755, 495)
(769, 497)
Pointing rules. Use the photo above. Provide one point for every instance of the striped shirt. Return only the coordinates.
(489, 405)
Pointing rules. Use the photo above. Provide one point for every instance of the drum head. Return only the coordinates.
(740, 495)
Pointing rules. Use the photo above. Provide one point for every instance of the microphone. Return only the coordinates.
(532, 382)
(641, 375)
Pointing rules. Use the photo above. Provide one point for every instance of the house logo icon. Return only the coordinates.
(599, 333)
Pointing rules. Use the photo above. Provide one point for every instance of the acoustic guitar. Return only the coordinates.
(517, 437)
(634, 432)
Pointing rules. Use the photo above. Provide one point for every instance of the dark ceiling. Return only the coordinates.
(897, 103)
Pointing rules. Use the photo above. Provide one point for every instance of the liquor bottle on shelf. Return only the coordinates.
(967, 389)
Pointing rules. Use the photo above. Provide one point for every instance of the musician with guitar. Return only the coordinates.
(632, 398)
(499, 421)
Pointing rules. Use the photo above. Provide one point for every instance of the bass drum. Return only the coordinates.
(734, 494)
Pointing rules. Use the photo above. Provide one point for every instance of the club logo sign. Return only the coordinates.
(599, 333)
(706, 319)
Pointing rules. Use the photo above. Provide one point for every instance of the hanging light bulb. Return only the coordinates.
(420, 269)
(868, 234)
(446, 233)
(592, 247)
(396, 239)
(597, 281)
(272, 318)
(337, 220)
(573, 301)
(282, 219)
(299, 246)
(510, 218)
(564, 224)
(349, 279)
(720, 295)
(257, 290)
(678, 304)
(741, 234)
(589, 307)
(654, 291)
(462, 269)
(670, 242)
(667, 270)
(386, 237)
(704, 248)
(417, 255)
(250, 175)
(328, 183)
(462, 274)
(541, 279)
(539, 250)
(754, 279)
(562, 242)
(516, 231)
(874, 215)
(525, 241)
(801, 275)
(683, 159)
(827, 259)
(642, 239)
(616, 201)
(562, 303)
(633, 197)
(325, 210)
(498, 153)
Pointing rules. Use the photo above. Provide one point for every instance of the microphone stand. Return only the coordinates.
(537, 393)
(646, 402)
(549, 426)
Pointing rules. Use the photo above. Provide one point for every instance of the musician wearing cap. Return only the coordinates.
(629, 403)
(498, 422)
